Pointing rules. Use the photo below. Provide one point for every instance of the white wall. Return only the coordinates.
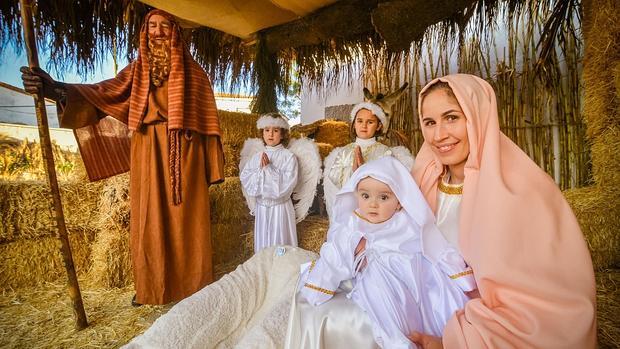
(17, 107)
(234, 104)
(313, 103)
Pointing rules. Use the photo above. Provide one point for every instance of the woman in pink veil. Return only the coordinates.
(511, 224)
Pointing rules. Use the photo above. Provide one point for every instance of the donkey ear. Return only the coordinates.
(393, 97)
(367, 94)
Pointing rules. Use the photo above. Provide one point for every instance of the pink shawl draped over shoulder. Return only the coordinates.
(518, 233)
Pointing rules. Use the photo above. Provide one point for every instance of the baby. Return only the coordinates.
(406, 276)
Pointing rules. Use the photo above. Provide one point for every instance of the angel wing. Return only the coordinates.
(329, 189)
(309, 168)
(251, 146)
(403, 155)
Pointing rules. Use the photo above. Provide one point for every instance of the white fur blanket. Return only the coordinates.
(247, 308)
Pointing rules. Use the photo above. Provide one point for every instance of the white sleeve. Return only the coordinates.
(461, 275)
(269, 182)
(341, 168)
(249, 176)
(334, 266)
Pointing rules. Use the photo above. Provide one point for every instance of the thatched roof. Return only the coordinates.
(319, 38)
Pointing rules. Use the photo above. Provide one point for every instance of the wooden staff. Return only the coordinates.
(48, 156)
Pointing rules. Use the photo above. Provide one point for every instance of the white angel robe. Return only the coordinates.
(338, 164)
(413, 280)
(272, 186)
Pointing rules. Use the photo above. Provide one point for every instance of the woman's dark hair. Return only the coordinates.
(439, 86)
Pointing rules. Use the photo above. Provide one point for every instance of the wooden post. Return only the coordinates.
(48, 156)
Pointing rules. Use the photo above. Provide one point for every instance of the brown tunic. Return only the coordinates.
(170, 244)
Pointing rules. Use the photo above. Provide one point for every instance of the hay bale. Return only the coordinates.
(232, 156)
(606, 158)
(35, 261)
(42, 317)
(312, 232)
(324, 149)
(608, 308)
(26, 208)
(227, 202)
(309, 130)
(237, 127)
(601, 107)
(114, 204)
(599, 226)
(227, 240)
(111, 258)
(333, 132)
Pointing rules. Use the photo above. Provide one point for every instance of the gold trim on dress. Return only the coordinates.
(450, 189)
(320, 289)
(312, 266)
(461, 274)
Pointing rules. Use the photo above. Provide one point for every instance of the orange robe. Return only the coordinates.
(170, 244)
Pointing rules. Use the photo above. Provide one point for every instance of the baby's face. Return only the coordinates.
(377, 203)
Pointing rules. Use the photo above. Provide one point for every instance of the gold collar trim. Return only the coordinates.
(362, 217)
(451, 189)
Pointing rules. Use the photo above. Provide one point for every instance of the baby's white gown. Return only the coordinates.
(413, 280)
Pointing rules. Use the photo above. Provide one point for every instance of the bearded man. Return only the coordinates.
(168, 138)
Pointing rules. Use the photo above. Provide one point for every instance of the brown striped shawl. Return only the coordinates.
(105, 146)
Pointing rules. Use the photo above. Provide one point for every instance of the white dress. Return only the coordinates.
(338, 164)
(272, 187)
(414, 280)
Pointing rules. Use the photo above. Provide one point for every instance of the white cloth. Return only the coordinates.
(247, 308)
(272, 187)
(448, 213)
(413, 278)
(338, 164)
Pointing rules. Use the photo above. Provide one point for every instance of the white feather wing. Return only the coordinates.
(403, 155)
(309, 175)
(251, 146)
(330, 189)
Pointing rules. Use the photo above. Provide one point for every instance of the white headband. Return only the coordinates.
(374, 108)
(268, 120)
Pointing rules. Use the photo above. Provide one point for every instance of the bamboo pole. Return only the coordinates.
(48, 156)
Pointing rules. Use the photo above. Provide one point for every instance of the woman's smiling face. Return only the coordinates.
(444, 128)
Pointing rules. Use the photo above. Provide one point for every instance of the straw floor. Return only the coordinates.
(41, 317)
